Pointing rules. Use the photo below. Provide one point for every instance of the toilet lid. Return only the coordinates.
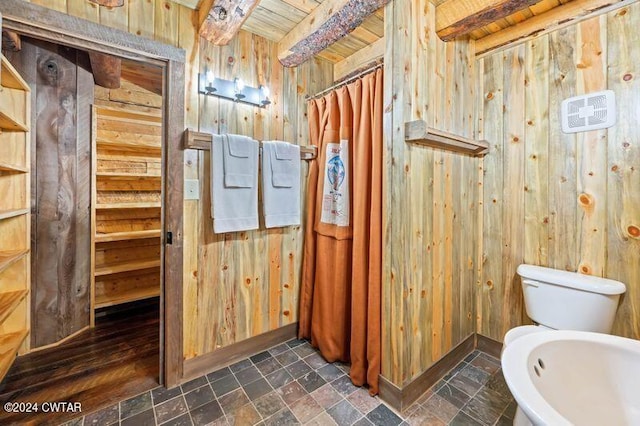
(523, 330)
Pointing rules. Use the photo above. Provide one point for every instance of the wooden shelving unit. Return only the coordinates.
(130, 295)
(133, 265)
(127, 235)
(126, 200)
(9, 301)
(15, 220)
(418, 132)
(7, 214)
(9, 346)
(111, 206)
(5, 167)
(9, 257)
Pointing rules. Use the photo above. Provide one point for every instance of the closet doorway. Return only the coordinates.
(98, 227)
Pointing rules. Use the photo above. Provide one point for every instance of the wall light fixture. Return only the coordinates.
(234, 90)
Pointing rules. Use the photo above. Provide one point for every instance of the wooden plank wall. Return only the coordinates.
(431, 219)
(60, 284)
(564, 201)
(242, 284)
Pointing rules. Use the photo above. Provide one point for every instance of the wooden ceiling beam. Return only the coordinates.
(11, 41)
(108, 3)
(558, 17)
(456, 18)
(106, 70)
(220, 20)
(326, 24)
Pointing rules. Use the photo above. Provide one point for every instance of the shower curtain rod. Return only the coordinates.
(346, 81)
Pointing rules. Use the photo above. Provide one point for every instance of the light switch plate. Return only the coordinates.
(191, 189)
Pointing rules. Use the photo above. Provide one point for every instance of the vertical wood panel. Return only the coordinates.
(592, 151)
(623, 180)
(142, 17)
(513, 190)
(489, 314)
(536, 138)
(563, 251)
(83, 9)
(61, 278)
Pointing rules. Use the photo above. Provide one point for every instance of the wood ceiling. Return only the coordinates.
(274, 19)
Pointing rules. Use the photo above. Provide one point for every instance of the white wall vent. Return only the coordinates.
(589, 112)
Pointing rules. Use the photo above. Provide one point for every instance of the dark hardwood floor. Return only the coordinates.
(117, 359)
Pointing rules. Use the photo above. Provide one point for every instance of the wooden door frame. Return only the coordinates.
(53, 26)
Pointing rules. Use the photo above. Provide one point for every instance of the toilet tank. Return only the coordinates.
(569, 301)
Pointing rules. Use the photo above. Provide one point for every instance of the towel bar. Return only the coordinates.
(202, 140)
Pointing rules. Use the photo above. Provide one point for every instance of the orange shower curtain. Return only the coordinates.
(342, 266)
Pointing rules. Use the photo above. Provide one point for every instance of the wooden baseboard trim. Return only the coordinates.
(401, 398)
(488, 345)
(204, 364)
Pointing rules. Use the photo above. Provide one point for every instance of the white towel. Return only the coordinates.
(234, 183)
(281, 183)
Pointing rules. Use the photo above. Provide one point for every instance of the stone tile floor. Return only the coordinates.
(292, 384)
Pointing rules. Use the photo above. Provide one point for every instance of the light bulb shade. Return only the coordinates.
(238, 85)
(265, 92)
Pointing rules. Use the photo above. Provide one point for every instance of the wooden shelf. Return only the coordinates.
(135, 265)
(102, 301)
(7, 214)
(11, 78)
(126, 176)
(5, 167)
(128, 235)
(153, 205)
(9, 345)
(418, 132)
(8, 258)
(153, 149)
(8, 123)
(9, 301)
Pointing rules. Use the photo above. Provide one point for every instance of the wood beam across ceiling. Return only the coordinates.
(558, 17)
(220, 20)
(455, 18)
(106, 70)
(326, 24)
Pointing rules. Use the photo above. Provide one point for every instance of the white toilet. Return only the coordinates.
(561, 300)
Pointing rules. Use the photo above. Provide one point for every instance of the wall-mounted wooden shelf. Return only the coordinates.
(9, 345)
(7, 214)
(418, 132)
(202, 141)
(128, 235)
(9, 301)
(131, 295)
(6, 167)
(126, 176)
(134, 265)
(8, 258)
(10, 123)
(139, 146)
(11, 78)
(111, 206)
